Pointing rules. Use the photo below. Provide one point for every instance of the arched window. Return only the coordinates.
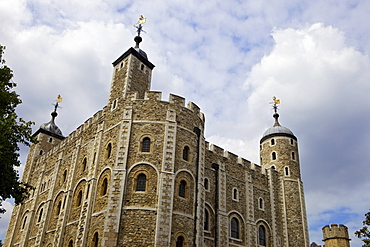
(146, 145)
(293, 156)
(273, 156)
(206, 220)
(79, 198)
(104, 187)
(260, 204)
(141, 182)
(180, 241)
(206, 184)
(234, 228)
(185, 153)
(95, 242)
(272, 142)
(40, 215)
(84, 163)
(182, 188)
(286, 171)
(70, 244)
(24, 222)
(235, 194)
(109, 150)
(261, 235)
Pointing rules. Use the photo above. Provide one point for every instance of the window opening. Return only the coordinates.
(96, 240)
(24, 222)
(206, 184)
(104, 187)
(185, 153)
(234, 228)
(293, 156)
(182, 188)
(272, 141)
(84, 163)
(180, 241)
(59, 208)
(273, 156)
(260, 203)
(79, 198)
(109, 150)
(50, 140)
(70, 244)
(235, 194)
(286, 171)
(261, 236)
(141, 182)
(206, 220)
(146, 145)
(40, 215)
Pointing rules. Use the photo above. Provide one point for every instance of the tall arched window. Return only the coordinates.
(104, 187)
(206, 220)
(180, 241)
(286, 171)
(185, 153)
(79, 198)
(70, 244)
(273, 156)
(234, 228)
(109, 150)
(95, 242)
(141, 182)
(182, 188)
(235, 194)
(261, 235)
(146, 145)
(206, 184)
(64, 175)
(59, 208)
(40, 215)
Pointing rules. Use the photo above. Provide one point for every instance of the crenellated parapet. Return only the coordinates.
(335, 231)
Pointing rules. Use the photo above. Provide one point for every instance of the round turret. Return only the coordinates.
(51, 126)
(279, 150)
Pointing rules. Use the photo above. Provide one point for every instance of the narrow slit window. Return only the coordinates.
(40, 215)
(206, 220)
(273, 156)
(104, 187)
(185, 153)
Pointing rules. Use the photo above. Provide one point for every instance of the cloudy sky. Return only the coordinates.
(230, 58)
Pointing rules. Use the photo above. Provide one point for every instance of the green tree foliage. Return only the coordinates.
(364, 232)
(13, 132)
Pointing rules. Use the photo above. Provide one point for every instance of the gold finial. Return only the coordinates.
(275, 102)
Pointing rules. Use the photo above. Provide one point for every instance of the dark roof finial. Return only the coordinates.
(139, 27)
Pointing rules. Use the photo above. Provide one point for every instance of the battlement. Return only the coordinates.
(335, 231)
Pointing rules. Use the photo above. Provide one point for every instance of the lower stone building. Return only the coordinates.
(140, 173)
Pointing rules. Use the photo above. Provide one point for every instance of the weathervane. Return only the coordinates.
(139, 24)
(59, 99)
(275, 103)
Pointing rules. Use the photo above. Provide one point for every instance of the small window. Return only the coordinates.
(273, 156)
(24, 222)
(142, 67)
(84, 163)
(291, 141)
(180, 241)
(64, 175)
(286, 171)
(79, 198)
(50, 140)
(272, 142)
(70, 244)
(185, 153)
(206, 185)
(94, 158)
(206, 220)
(59, 208)
(95, 242)
(87, 192)
(261, 235)
(146, 145)
(234, 228)
(41, 152)
(235, 194)
(109, 151)
(104, 187)
(141, 182)
(293, 156)
(40, 215)
(182, 188)
(114, 104)
(261, 204)
(273, 167)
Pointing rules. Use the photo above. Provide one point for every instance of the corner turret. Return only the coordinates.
(335, 236)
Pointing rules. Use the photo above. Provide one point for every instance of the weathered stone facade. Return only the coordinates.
(140, 173)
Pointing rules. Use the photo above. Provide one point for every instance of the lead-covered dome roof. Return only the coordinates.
(51, 126)
(277, 130)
